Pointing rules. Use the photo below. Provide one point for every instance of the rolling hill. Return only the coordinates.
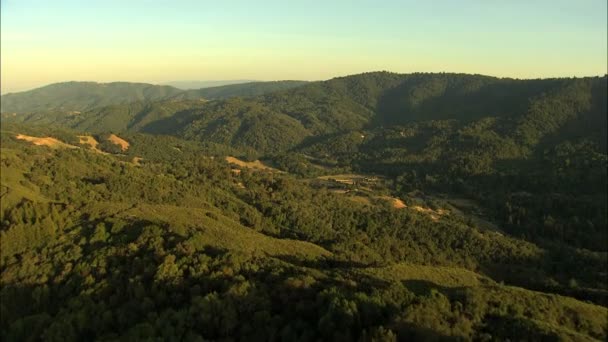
(499, 181)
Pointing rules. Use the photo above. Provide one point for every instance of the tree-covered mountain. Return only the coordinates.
(382, 100)
(389, 207)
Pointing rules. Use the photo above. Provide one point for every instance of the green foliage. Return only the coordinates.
(179, 246)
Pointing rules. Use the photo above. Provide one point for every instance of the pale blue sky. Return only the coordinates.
(155, 41)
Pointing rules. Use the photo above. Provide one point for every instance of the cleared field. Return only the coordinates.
(256, 165)
(45, 141)
(91, 141)
(396, 202)
(351, 178)
(124, 145)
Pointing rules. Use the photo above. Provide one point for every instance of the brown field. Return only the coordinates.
(350, 178)
(124, 145)
(399, 204)
(396, 202)
(256, 165)
(89, 140)
(46, 141)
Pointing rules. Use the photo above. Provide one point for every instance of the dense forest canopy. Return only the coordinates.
(372, 207)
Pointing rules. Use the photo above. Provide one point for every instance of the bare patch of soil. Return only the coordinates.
(46, 141)
(256, 165)
(124, 145)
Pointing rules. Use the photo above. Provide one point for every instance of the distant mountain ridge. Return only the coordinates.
(277, 116)
(192, 84)
(83, 96)
(242, 90)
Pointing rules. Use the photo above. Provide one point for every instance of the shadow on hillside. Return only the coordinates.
(170, 125)
(437, 97)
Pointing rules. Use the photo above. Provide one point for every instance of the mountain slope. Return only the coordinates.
(381, 100)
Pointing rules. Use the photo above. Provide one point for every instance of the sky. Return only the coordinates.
(158, 41)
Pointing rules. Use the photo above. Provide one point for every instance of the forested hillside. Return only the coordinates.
(372, 207)
(533, 151)
(116, 118)
(178, 244)
(525, 110)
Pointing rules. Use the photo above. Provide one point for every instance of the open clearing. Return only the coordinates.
(256, 165)
(46, 141)
(89, 140)
(124, 145)
(351, 178)
(396, 202)
(433, 214)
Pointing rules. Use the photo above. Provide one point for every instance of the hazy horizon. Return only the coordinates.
(233, 82)
(44, 43)
(173, 83)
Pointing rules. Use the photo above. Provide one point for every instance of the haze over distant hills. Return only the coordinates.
(82, 96)
(193, 84)
(79, 96)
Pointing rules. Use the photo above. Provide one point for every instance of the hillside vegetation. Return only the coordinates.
(96, 248)
(372, 207)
